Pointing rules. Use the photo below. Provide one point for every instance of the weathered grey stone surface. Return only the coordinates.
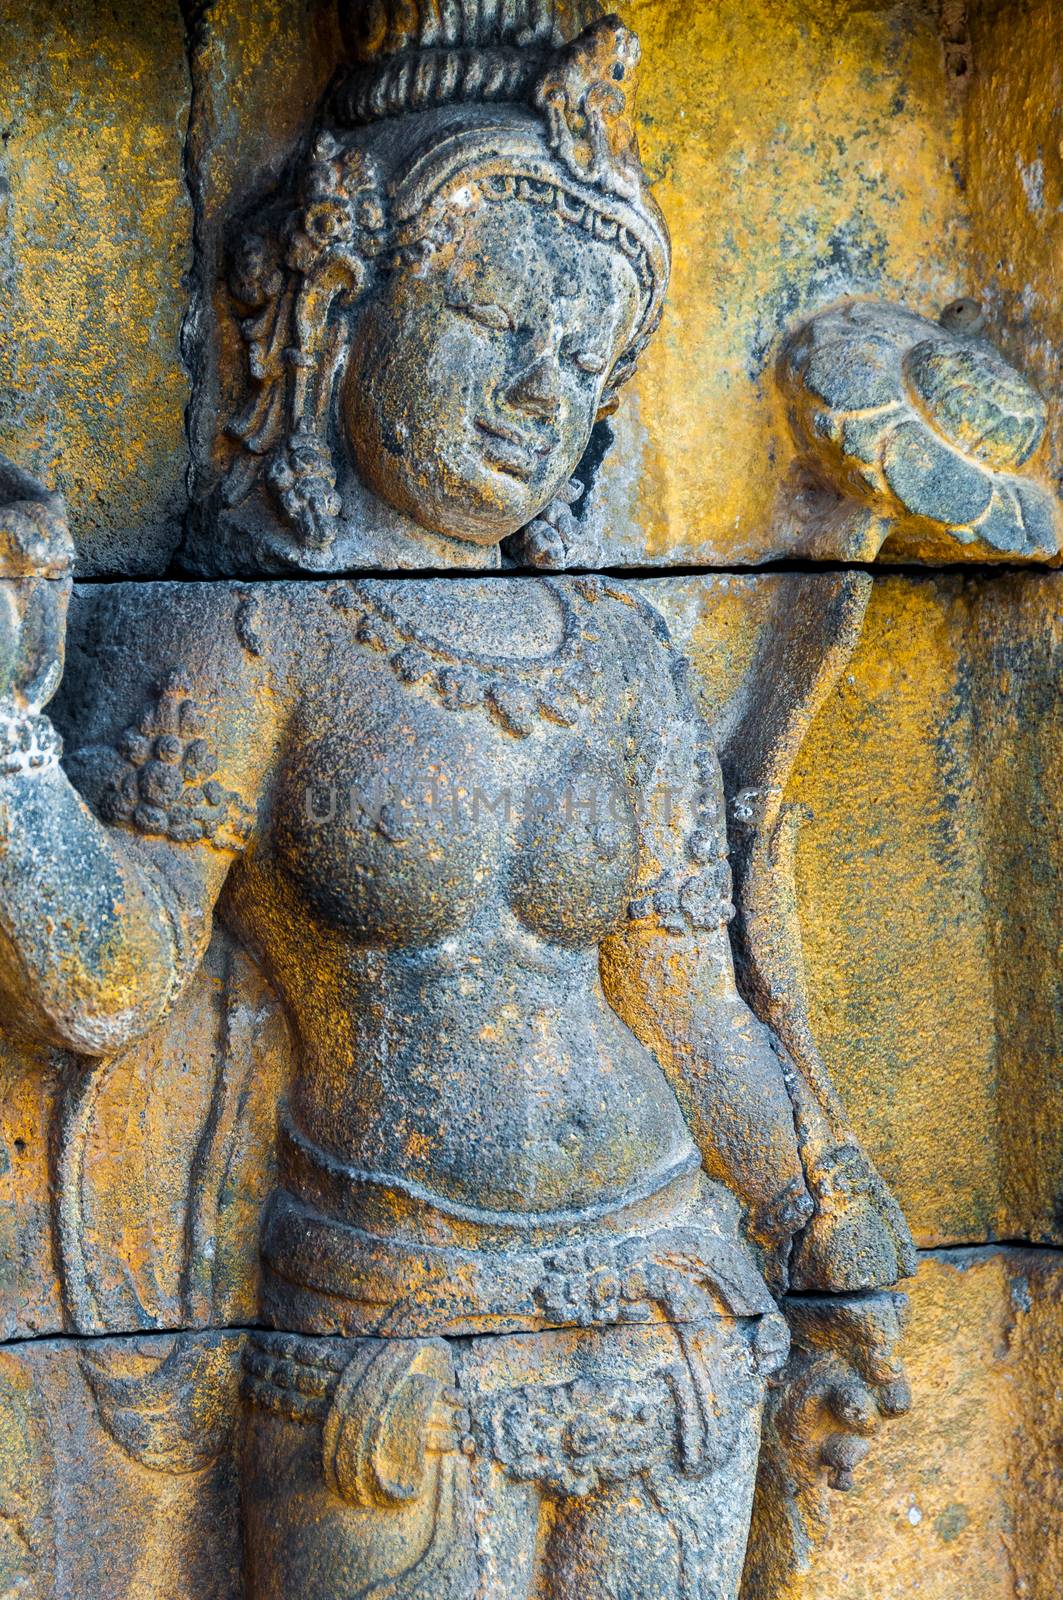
(98, 1500)
(975, 1455)
(420, 992)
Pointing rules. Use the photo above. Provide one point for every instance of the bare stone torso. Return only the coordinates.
(430, 900)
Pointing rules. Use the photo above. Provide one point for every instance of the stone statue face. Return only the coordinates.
(475, 377)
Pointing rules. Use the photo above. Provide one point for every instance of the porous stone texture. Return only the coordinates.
(410, 1026)
(806, 152)
(930, 851)
(914, 439)
(258, 74)
(142, 1244)
(1015, 187)
(857, 171)
(95, 249)
(929, 880)
(928, 871)
(617, 1207)
(905, 153)
(802, 153)
(962, 1500)
(846, 175)
(30, 1302)
(97, 1503)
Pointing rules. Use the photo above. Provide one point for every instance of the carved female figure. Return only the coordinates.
(475, 834)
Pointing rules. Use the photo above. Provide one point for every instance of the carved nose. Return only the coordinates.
(536, 390)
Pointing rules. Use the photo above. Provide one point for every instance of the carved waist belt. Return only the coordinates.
(569, 1437)
(385, 1406)
(672, 1257)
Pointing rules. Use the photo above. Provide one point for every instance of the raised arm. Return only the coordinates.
(102, 921)
(669, 972)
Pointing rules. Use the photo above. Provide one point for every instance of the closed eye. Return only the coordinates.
(589, 361)
(488, 316)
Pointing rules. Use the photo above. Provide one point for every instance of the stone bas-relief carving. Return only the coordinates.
(83, 1513)
(432, 233)
(177, 1533)
(396, 1253)
(909, 433)
(912, 434)
(544, 1180)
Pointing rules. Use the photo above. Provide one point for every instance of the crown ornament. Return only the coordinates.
(375, 28)
(564, 59)
(408, 55)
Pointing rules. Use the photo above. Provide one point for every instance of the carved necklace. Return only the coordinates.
(516, 691)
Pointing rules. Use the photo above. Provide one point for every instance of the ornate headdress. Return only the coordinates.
(412, 54)
(448, 103)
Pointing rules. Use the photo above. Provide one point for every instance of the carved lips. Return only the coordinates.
(511, 451)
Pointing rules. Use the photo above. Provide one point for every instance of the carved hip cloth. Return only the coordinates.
(533, 1465)
(616, 1422)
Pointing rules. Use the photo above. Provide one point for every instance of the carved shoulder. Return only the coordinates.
(179, 703)
(684, 878)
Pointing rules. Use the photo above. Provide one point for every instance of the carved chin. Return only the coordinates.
(508, 501)
(486, 519)
(481, 496)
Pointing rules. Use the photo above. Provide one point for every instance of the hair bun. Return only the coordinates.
(376, 29)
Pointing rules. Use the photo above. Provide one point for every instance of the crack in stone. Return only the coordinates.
(1035, 1247)
(59, 1336)
(986, 570)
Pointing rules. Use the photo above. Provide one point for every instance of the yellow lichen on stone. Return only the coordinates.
(29, 1287)
(259, 74)
(930, 886)
(95, 245)
(803, 152)
(962, 1499)
(894, 919)
(928, 880)
(1014, 159)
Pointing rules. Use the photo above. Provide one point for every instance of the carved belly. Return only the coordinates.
(493, 1085)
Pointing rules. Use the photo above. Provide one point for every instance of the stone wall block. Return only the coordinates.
(95, 252)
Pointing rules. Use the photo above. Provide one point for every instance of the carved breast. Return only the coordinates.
(403, 815)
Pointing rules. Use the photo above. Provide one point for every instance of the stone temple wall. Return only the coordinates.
(805, 153)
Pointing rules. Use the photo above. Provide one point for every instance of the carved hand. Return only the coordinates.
(36, 558)
(857, 1238)
(556, 539)
(843, 1377)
